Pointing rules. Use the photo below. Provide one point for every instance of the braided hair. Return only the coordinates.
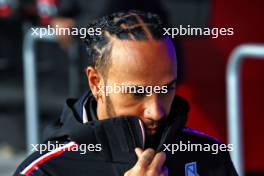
(131, 25)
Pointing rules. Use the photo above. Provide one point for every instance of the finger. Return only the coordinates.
(158, 161)
(145, 158)
(138, 151)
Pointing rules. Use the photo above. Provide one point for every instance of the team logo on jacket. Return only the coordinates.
(191, 169)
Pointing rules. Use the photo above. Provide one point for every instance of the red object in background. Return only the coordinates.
(5, 11)
(197, 118)
(45, 20)
(205, 68)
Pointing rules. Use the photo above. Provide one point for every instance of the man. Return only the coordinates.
(128, 131)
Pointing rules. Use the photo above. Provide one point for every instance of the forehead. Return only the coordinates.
(143, 62)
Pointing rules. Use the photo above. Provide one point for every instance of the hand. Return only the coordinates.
(149, 163)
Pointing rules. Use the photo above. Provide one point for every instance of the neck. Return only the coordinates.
(101, 114)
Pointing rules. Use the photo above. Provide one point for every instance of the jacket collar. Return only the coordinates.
(118, 136)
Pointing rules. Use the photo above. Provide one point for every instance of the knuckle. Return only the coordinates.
(138, 166)
(150, 150)
(152, 172)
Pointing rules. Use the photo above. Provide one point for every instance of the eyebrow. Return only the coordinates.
(171, 82)
(167, 84)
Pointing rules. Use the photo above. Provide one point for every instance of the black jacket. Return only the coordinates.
(110, 145)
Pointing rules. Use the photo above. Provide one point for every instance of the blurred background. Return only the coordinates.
(59, 65)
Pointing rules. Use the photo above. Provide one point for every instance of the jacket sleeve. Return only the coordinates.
(26, 163)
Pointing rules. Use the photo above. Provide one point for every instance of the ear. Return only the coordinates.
(95, 81)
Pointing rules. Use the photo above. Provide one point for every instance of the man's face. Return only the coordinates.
(140, 63)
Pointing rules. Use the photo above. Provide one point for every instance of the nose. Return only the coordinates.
(154, 109)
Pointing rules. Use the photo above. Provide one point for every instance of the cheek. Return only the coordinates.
(167, 100)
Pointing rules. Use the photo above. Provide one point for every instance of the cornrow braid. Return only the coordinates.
(131, 25)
